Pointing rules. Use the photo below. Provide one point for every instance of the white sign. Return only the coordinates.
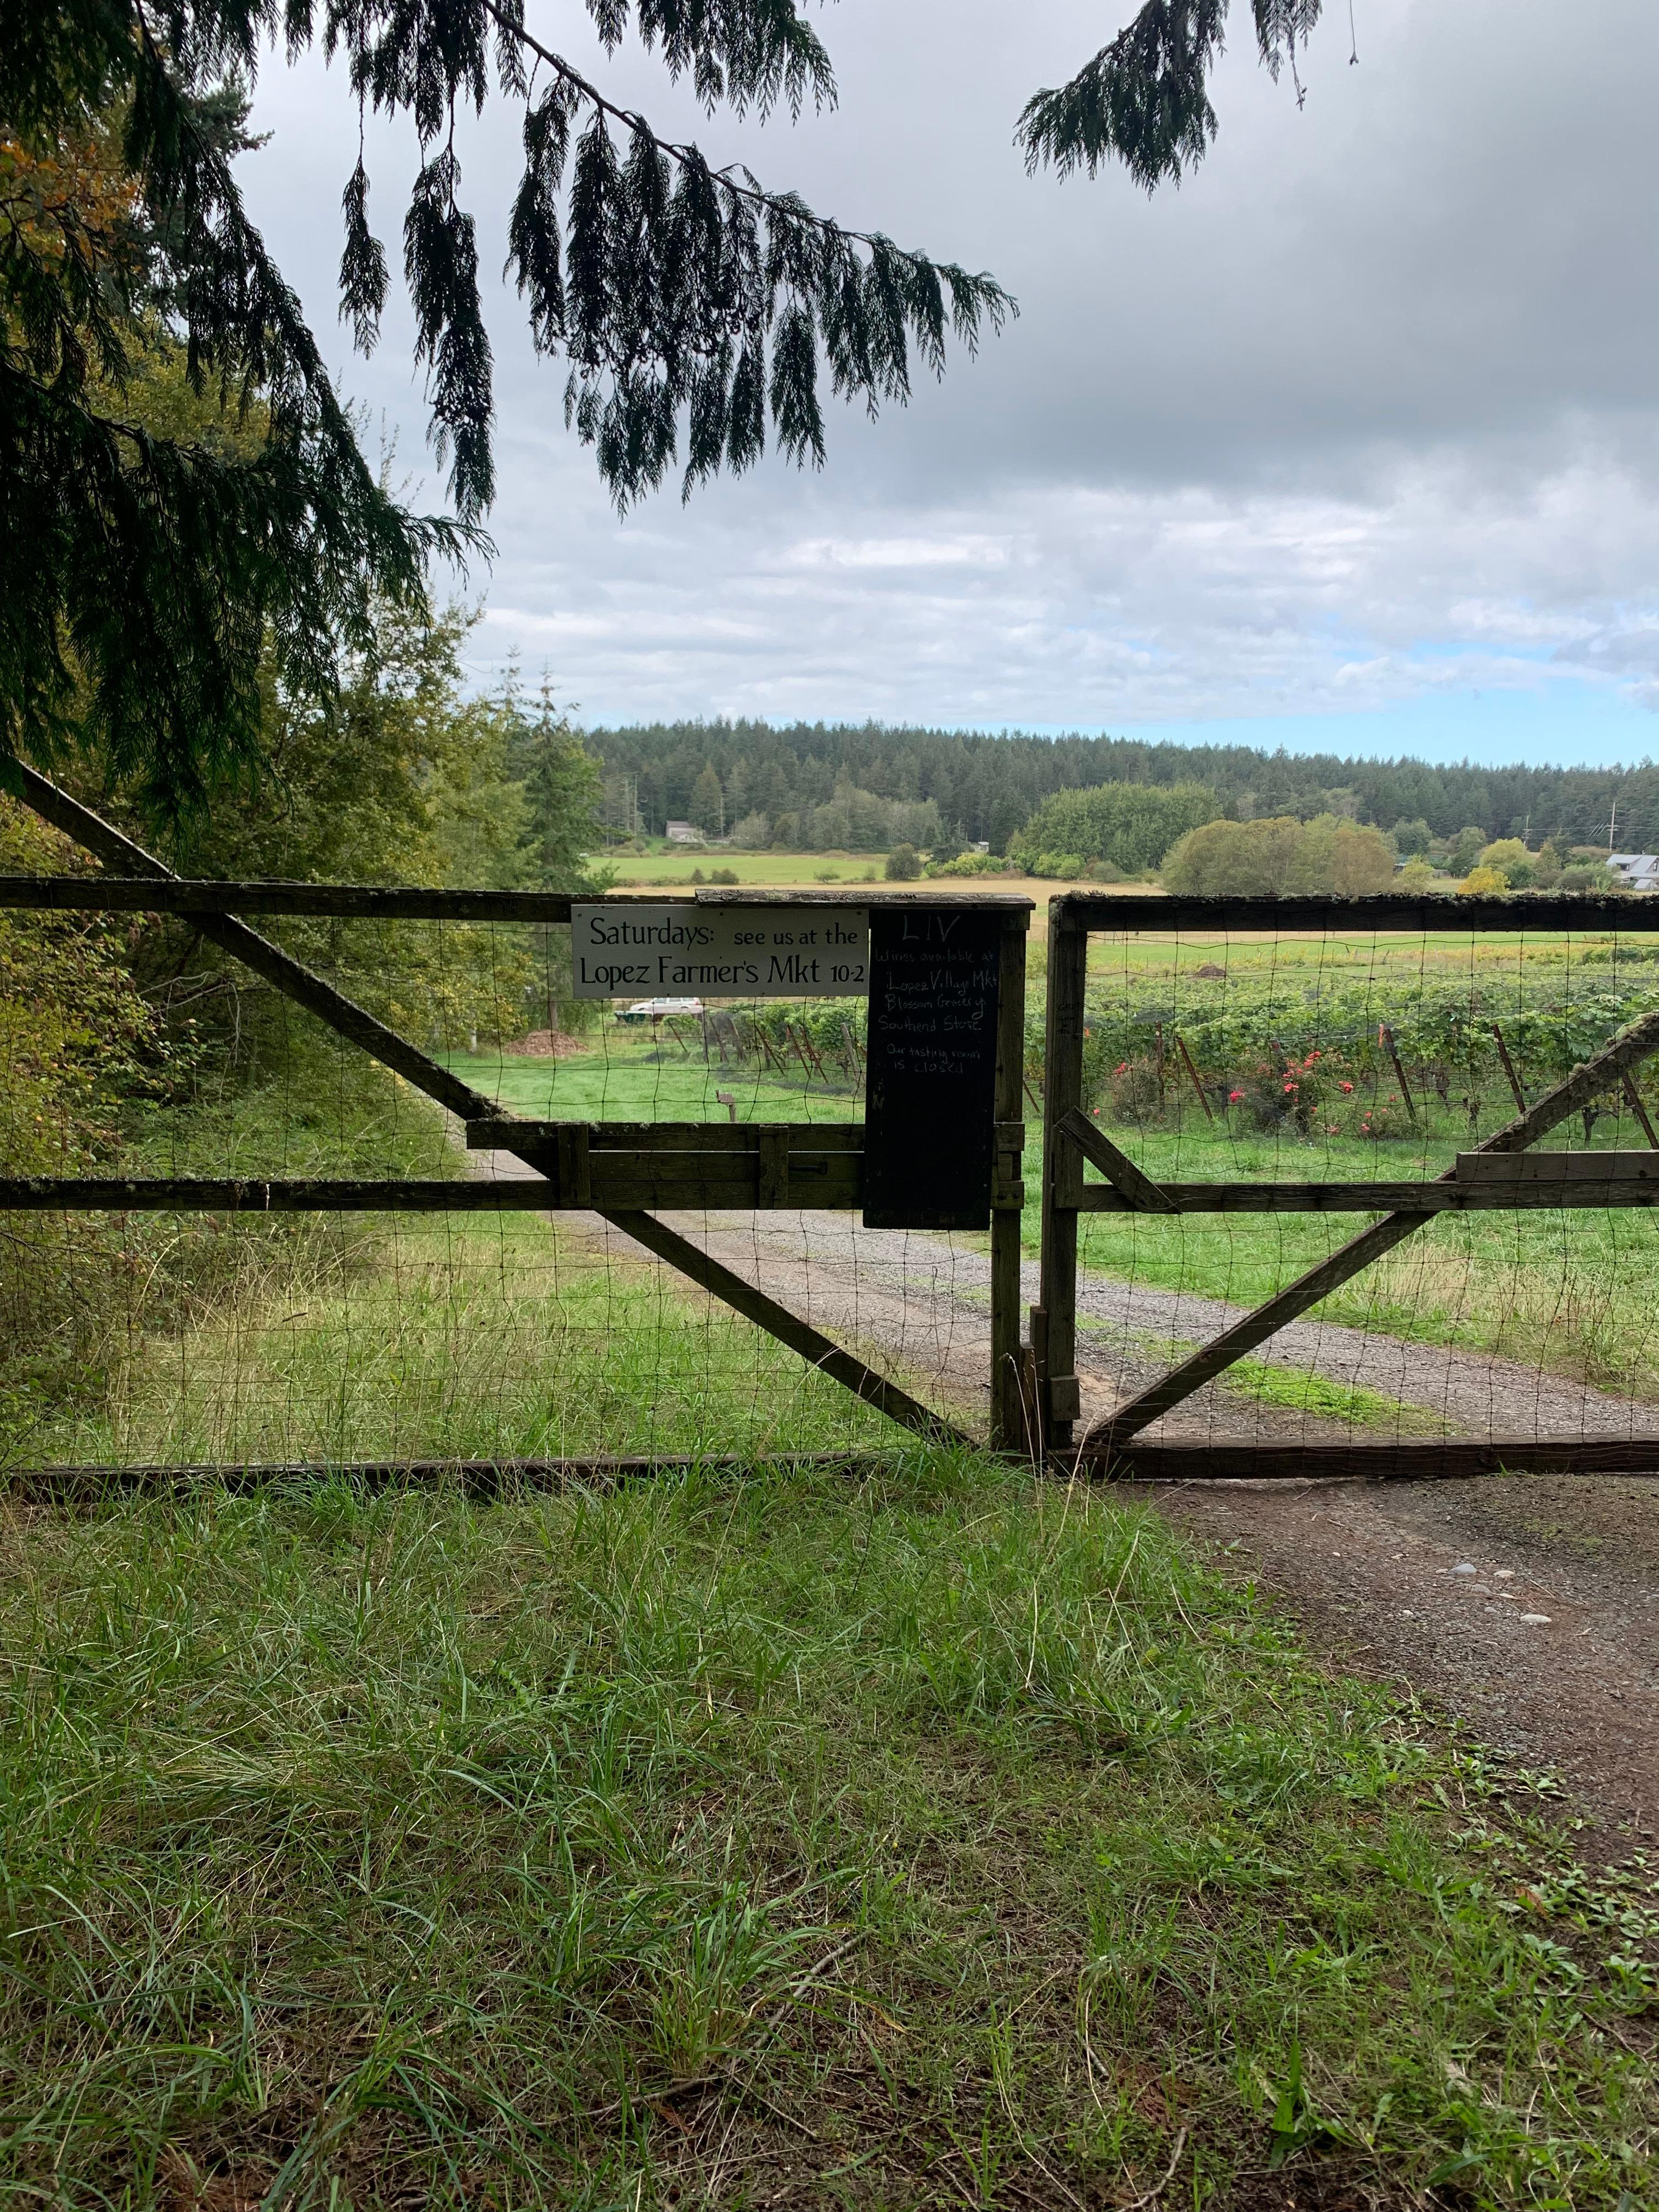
(721, 952)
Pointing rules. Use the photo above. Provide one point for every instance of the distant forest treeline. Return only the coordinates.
(988, 787)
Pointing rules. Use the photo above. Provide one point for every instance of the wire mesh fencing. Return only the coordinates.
(369, 1185)
(232, 1236)
(1327, 1178)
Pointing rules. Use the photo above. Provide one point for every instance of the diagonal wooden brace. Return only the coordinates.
(777, 1320)
(290, 976)
(1585, 1082)
(1143, 1193)
(354, 1023)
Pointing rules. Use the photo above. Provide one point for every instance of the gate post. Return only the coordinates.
(1009, 1422)
(1053, 1320)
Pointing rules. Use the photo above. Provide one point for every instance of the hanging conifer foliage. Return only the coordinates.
(1144, 99)
(697, 315)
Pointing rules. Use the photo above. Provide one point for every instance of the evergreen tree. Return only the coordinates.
(1144, 99)
(1133, 826)
(696, 311)
(697, 314)
(188, 493)
(1467, 850)
(998, 782)
(708, 809)
(562, 794)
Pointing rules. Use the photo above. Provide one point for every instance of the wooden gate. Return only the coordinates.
(1501, 1173)
(625, 1172)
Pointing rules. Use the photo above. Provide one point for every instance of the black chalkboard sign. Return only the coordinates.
(931, 1084)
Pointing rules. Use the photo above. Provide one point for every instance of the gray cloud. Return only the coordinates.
(1364, 413)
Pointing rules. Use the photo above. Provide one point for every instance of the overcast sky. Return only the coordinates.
(1352, 442)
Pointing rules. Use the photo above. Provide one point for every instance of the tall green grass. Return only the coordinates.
(931, 1838)
(465, 1338)
(90, 1302)
(624, 1077)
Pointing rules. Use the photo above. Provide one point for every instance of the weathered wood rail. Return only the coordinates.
(1503, 1174)
(625, 1172)
(806, 1173)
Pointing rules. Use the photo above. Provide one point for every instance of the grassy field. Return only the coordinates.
(477, 1338)
(796, 871)
(1316, 957)
(625, 1077)
(816, 871)
(908, 1834)
(324, 1338)
(200, 1340)
(1553, 1288)
(926, 1838)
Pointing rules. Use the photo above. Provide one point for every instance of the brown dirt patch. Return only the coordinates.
(546, 1044)
(1549, 1649)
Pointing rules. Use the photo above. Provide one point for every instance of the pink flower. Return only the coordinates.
(1233, 1097)
(1291, 1086)
(1347, 1086)
(1123, 1067)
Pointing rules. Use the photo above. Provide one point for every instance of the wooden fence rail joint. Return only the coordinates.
(1143, 1194)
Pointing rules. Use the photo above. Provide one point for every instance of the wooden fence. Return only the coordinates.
(627, 1173)
(1502, 1175)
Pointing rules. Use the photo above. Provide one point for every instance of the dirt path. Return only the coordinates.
(922, 1301)
(1529, 1605)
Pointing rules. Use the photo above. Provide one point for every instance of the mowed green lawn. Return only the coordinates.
(1308, 961)
(1553, 1288)
(1563, 1289)
(784, 872)
(925, 1836)
(1558, 1289)
(1550, 1288)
